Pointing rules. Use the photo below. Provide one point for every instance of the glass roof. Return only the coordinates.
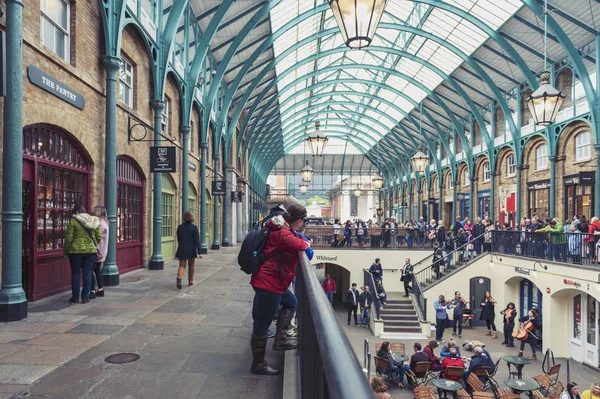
(349, 91)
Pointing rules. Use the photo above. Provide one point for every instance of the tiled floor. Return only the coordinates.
(192, 343)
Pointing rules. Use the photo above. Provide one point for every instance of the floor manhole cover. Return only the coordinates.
(131, 279)
(122, 358)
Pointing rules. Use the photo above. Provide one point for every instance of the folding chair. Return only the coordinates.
(419, 375)
(454, 371)
(384, 366)
(558, 389)
(537, 394)
(462, 394)
(474, 383)
(491, 376)
(424, 393)
(483, 395)
(500, 392)
(549, 381)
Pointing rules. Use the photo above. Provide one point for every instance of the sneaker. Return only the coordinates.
(271, 334)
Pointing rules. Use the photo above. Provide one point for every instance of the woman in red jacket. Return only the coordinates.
(435, 361)
(272, 281)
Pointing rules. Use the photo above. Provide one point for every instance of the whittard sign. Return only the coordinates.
(51, 85)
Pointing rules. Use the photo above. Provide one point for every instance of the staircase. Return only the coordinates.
(430, 279)
(400, 320)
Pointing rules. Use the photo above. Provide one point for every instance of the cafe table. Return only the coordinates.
(520, 386)
(400, 358)
(444, 385)
(518, 362)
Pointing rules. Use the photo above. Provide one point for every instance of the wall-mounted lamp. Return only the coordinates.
(537, 263)
(492, 259)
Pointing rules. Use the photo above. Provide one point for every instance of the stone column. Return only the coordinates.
(227, 208)
(518, 195)
(156, 261)
(552, 196)
(185, 133)
(111, 271)
(203, 218)
(13, 303)
(216, 220)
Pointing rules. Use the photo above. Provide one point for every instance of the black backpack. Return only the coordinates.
(251, 256)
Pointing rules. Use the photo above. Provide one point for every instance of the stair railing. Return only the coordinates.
(370, 282)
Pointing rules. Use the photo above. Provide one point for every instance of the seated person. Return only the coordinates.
(396, 371)
(453, 360)
(381, 294)
(480, 358)
(418, 356)
(446, 349)
(435, 361)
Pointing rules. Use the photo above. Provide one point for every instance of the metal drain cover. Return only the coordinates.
(122, 358)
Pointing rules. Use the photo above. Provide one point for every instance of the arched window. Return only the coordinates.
(510, 165)
(583, 146)
(486, 172)
(466, 179)
(130, 187)
(541, 157)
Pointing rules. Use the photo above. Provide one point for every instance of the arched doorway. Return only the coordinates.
(56, 172)
(130, 214)
(341, 276)
(168, 195)
(530, 297)
(478, 287)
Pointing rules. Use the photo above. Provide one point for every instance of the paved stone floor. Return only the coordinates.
(579, 373)
(192, 343)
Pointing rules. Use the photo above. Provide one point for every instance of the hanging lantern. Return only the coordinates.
(316, 142)
(420, 160)
(545, 102)
(303, 188)
(377, 182)
(357, 191)
(357, 20)
(306, 173)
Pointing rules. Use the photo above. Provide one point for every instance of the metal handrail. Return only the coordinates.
(328, 366)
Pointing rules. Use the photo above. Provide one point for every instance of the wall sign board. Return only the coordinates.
(44, 81)
(162, 160)
(218, 188)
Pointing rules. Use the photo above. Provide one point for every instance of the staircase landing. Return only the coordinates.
(400, 320)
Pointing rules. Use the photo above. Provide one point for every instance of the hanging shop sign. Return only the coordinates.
(540, 185)
(218, 188)
(583, 178)
(379, 212)
(44, 81)
(236, 196)
(405, 204)
(162, 160)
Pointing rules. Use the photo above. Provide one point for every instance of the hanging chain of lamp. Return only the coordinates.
(316, 142)
(545, 102)
(420, 159)
(377, 180)
(357, 20)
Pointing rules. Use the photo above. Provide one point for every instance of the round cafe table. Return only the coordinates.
(518, 362)
(520, 386)
(399, 358)
(444, 385)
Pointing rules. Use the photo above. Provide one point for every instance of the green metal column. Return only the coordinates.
(472, 194)
(185, 132)
(13, 303)
(596, 131)
(157, 262)
(203, 218)
(216, 224)
(552, 207)
(378, 203)
(492, 189)
(455, 209)
(420, 195)
(227, 205)
(111, 270)
(518, 194)
(441, 193)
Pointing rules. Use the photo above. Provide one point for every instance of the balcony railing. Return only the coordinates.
(328, 366)
(401, 238)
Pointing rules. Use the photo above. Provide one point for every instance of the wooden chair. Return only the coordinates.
(424, 393)
(462, 394)
(419, 375)
(482, 371)
(510, 396)
(384, 366)
(474, 383)
(491, 375)
(483, 395)
(549, 381)
(537, 394)
(500, 392)
(558, 389)
(454, 371)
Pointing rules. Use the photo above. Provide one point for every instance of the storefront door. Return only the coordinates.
(479, 285)
(591, 331)
(584, 335)
(483, 204)
(436, 210)
(27, 237)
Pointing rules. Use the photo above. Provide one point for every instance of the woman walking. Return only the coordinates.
(272, 281)
(488, 314)
(81, 240)
(188, 247)
(98, 268)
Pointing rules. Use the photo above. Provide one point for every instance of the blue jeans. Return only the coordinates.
(365, 315)
(287, 301)
(78, 262)
(263, 310)
(409, 240)
(329, 296)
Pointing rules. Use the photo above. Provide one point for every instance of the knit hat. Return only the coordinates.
(296, 212)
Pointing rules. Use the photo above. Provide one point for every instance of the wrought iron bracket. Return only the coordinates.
(137, 122)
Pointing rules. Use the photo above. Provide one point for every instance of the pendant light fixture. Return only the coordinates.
(377, 180)
(357, 20)
(545, 102)
(357, 191)
(303, 188)
(306, 172)
(316, 142)
(420, 159)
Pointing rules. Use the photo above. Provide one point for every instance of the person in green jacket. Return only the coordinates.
(82, 237)
(558, 240)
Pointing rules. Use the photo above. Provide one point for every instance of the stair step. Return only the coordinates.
(399, 301)
(414, 324)
(399, 318)
(401, 329)
(399, 311)
(398, 307)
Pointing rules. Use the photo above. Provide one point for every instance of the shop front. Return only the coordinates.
(448, 211)
(425, 212)
(579, 195)
(508, 204)
(416, 213)
(483, 203)
(584, 329)
(538, 195)
(435, 208)
(404, 213)
(56, 177)
(464, 205)
(130, 214)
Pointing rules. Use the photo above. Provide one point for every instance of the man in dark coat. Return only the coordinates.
(478, 230)
(188, 247)
(365, 301)
(457, 225)
(352, 298)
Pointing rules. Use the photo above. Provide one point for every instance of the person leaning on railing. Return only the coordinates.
(574, 243)
(557, 239)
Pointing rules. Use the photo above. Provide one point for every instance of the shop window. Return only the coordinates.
(54, 25)
(192, 196)
(591, 320)
(511, 166)
(583, 146)
(577, 317)
(164, 120)
(466, 179)
(486, 172)
(129, 201)
(541, 157)
(168, 200)
(126, 79)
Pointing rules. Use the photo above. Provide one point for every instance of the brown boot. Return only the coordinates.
(259, 364)
(534, 357)
(489, 332)
(494, 335)
(179, 283)
(282, 342)
(520, 354)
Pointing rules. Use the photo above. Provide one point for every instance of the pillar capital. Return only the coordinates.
(552, 158)
(157, 105)
(203, 146)
(185, 131)
(111, 63)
